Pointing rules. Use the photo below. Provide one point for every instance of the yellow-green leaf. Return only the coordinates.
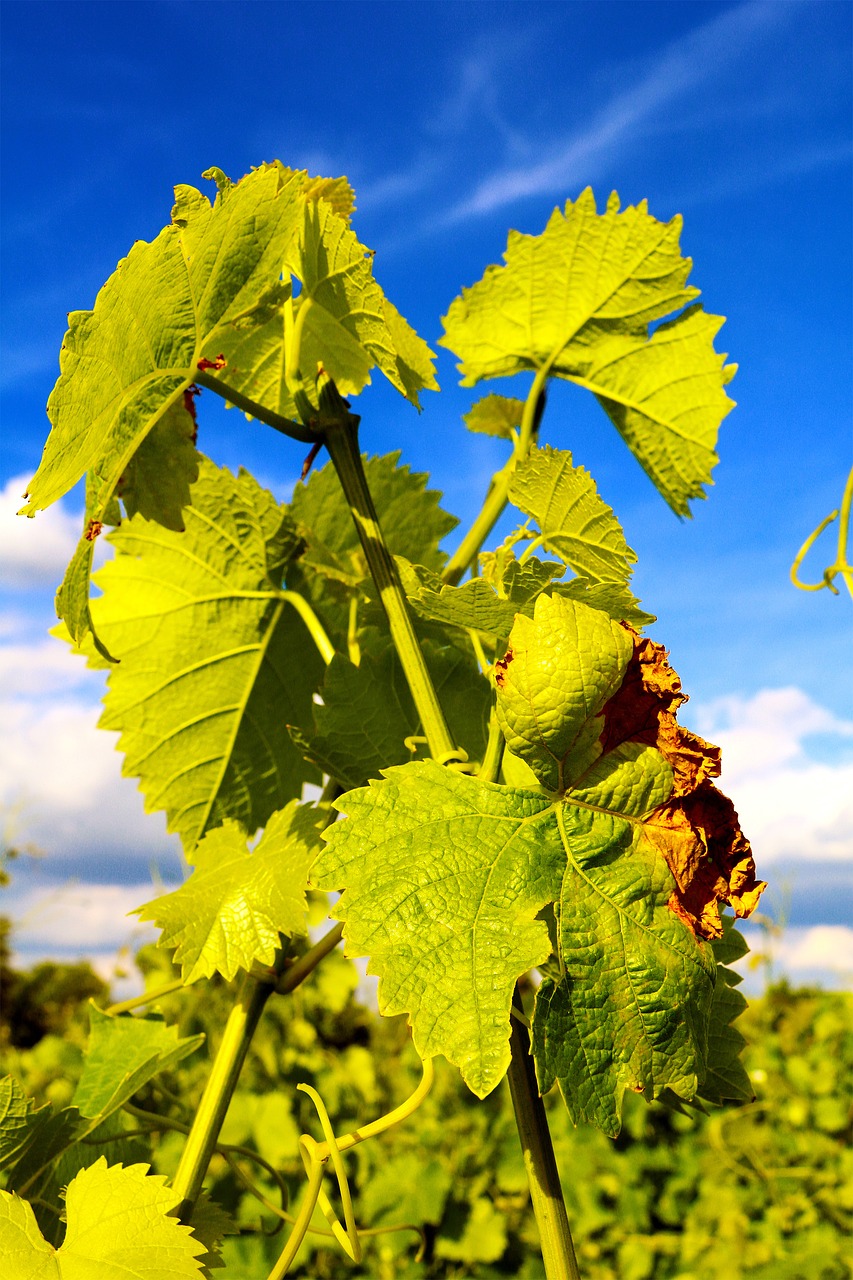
(119, 1228)
(230, 912)
(576, 302)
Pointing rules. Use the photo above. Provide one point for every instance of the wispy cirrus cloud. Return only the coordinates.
(698, 58)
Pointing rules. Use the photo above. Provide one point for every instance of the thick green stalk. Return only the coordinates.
(546, 1194)
(342, 442)
(239, 1029)
(498, 494)
(204, 1134)
(555, 1237)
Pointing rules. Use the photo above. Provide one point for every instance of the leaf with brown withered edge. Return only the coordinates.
(696, 830)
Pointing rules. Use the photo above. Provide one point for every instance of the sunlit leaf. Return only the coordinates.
(215, 662)
(495, 416)
(577, 302)
(444, 877)
(231, 911)
(119, 1228)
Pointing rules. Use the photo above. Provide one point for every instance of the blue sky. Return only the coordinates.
(456, 121)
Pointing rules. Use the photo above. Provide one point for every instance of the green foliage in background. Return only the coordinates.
(762, 1192)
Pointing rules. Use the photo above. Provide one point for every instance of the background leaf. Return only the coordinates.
(123, 1054)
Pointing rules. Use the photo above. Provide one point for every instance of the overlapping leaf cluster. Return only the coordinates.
(446, 877)
(213, 290)
(249, 657)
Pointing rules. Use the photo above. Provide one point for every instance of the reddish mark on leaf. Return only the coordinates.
(93, 529)
(501, 666)
(219, 363)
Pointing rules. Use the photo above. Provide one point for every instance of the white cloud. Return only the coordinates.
(685, 63)
(34, 553)
(791, 805)
(43, 668)
(61, 786)
(82, 918)
(820, 953)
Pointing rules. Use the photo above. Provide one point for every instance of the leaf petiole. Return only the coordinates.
(287, 426)
(498, 493)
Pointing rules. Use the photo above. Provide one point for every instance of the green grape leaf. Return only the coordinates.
(336, 192)
(230, 912)
(45, 1174)
(727, 1079)
(20, 1121)
(571, 519)
(612, 598)
(576, 302)
(134, 355)
(31, 1136)
(215, 661)
(495, 415)
(482, 1238)
(444, 877)
(551, 693)
(406, 1188)
(157, 480)
(119, 1228)
(367, 712)
(73, 606)
(475, 605)
(623, 698)
(413, 360)
(210, 1224)
(122, 1055)
(342, 319)
(489, 604)
(254, 347)
(333, 566)
(633, 1007)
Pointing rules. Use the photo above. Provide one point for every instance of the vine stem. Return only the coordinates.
(341, 439)
(555, 1236)
(546, 1193)
(221, 1083)
(287, 427)
(498, 494)
(228, 1063)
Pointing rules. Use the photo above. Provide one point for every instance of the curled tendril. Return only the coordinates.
(841, 564)
(316, 1155)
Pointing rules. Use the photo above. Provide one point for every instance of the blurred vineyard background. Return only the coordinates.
(764, 1191)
